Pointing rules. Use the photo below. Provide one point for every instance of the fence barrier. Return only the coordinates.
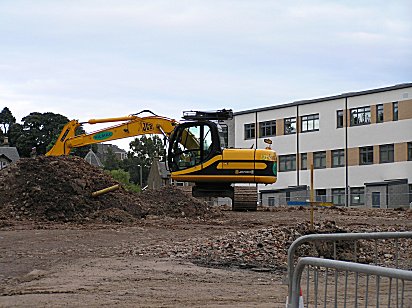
(331, 242)
(361, 293)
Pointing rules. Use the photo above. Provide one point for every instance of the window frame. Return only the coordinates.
(320, 157)
(395, 111)
(363, 113)
(339, 119)
(366, 151)
(379, 111)
(265, 126)
(288, 123)
(389, 150)
(357, 191)
(312, 119)
(303, 158)
(287, 163)
(338, 193)
(340, 156)
(249, 129)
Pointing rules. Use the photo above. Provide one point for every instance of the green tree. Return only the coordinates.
(111, 162)
(124, 178)
(6, 119)
(143, 150)
(37, 130)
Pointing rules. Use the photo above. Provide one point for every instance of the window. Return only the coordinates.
(271, 201)
(366, 155)
(338, 158)
(360, 116)
(287, 162)
(267, 128)
(386, 153)
(395, 111)
(319, 160)
(224, 136)
(379, 113)
(409, 150)
(321, 195)
(310, 123)
(338, 196)
(303, 161)
(290, 126)
(376, 199)
(357, 196)
(339, 118)
(250, 131)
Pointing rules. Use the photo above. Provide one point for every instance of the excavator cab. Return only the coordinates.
(193, 143)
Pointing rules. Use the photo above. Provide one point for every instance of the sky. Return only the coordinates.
(107, 58)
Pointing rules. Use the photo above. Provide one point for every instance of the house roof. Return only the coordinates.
(5, 157)
(103, 148)
(92, 159)
(328, 98)
(10, 152)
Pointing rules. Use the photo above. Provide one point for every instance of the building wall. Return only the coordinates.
(329, 138)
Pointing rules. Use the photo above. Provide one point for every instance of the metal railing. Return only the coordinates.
(352, 238)
(351, 267)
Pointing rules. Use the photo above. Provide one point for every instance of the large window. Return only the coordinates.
(319, 160)
(366, 155)
(250, 131)
(338, 158)
(339, 118)
(379, 113)
(310, 123)
(287, 162)
(290, 126)
(338, 196)
(357, 196)
(395, 111)
(360, 116)
(304, 161)
(267, 128)
(386, 153)
(409, 150)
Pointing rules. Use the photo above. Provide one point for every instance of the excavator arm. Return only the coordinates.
(131, 126)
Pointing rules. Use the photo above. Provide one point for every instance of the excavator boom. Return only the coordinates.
(132, 126)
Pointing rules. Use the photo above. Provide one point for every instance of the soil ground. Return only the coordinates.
(144, 264)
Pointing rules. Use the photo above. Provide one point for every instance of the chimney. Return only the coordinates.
(6, 142)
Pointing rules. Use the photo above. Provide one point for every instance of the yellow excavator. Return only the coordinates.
(195, 153)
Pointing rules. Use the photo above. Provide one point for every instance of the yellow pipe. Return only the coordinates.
(105, 190)
(126, 118)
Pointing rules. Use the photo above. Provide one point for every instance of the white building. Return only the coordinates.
(360, 144)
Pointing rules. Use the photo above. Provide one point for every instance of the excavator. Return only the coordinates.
(196, 152)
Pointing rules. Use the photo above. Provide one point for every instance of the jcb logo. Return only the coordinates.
(147, 126)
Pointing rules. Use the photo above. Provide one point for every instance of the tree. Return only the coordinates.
(6, 119)
(143, 150)
(124, 178)
(111, 162)
(37, 130)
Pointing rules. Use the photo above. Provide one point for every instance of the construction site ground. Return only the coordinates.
(139, 265)
(60, 246)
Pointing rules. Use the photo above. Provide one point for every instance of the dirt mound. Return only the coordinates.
(60, 188)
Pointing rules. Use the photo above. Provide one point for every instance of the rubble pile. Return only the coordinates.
(60, 188)
(266, 249)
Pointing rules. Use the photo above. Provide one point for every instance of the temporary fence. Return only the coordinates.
(355, 288)
(384, 247)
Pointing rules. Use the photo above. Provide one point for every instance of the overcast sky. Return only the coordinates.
(87, 59)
